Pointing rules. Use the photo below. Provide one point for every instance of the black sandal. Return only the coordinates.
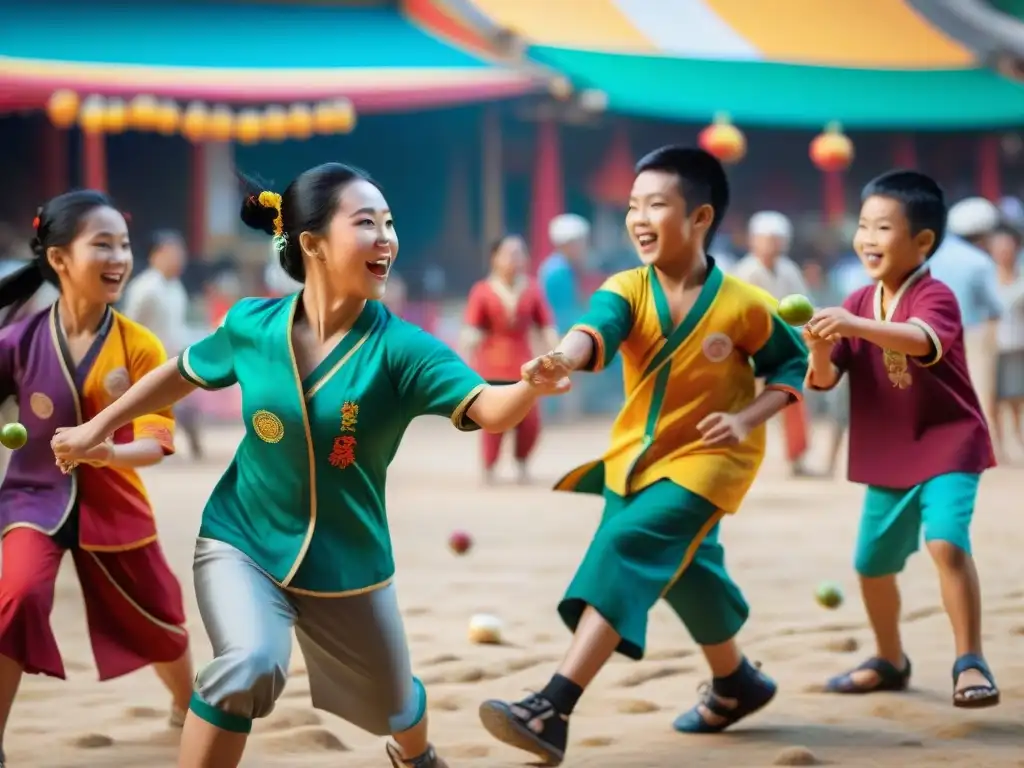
(889, 678)
(974, 696)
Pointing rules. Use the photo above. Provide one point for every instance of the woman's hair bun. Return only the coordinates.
(256, 215)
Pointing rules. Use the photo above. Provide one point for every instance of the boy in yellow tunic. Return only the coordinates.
(684, 451)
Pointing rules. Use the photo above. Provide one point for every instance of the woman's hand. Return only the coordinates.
(82, 444)
(548, 374)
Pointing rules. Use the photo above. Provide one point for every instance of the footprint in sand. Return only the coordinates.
(417, 610)
(302, 740)
(287, 719)
(841, 645)
(444, 658)
(76, 666)
(91, 741)
(543, 637)
(641, 676)
(636, 707)
(1018, 630)
(466, 751)
(420, 637)
(527, 662)
(145, 713)
(596, 741)
(668, 655)
(445, 703)
(796, 756)
(459, 675)
(922, 613)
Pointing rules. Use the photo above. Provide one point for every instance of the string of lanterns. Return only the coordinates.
(199, 122)
(831, 151)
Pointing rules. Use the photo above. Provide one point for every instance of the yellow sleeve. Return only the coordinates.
(609, 319)
(775, 348)
(145, 352)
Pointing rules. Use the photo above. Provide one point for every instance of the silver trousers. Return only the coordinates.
(355, 648)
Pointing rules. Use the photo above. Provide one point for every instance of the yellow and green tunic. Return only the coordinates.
(666, 491)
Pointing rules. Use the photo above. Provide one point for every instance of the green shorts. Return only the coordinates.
(891, 523)
(659, 542)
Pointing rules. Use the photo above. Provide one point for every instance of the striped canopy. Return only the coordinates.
(241, 53)
(865, 63)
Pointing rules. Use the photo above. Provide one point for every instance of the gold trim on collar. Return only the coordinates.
(912, 278)
(309, 449)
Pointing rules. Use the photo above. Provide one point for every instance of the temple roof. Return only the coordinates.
(379, 58)
(800, 63)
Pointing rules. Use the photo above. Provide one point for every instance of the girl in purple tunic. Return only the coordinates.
(63, 365)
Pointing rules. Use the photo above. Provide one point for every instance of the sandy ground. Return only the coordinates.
(790, 536)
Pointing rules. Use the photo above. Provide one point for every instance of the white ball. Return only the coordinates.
(485, 629)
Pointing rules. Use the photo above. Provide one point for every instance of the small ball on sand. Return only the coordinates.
(796, 756)
(485, 629)
(829, 595)
(460, 542)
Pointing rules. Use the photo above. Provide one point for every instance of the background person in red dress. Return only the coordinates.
(505, 312)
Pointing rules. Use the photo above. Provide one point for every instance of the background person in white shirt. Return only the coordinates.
(1005, 246)
(158, 300)
(768, 266)
(962, 262)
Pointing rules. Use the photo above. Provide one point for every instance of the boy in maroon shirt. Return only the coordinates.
(918, 439)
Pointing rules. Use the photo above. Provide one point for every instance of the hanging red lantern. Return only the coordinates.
(723, 140)
(832, 150)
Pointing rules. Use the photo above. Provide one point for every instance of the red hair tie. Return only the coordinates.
(127, 217)
(35, 223)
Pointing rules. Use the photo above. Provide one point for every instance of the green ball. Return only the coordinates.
(13, 435)
(796, 309)
(829, 595)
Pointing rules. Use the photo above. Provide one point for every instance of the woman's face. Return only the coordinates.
(360, 245)
(1005, 250)
(98, 262)
(510, 258)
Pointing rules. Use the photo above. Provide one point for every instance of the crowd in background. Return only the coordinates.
(181, 299)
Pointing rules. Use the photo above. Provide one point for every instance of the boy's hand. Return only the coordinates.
(719, 429)
(817, 344)
(833, 323)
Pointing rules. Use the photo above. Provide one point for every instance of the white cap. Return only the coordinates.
(567, 228)
(770, 223)
(972, 217)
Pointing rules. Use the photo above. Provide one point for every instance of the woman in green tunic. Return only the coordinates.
(295, 533)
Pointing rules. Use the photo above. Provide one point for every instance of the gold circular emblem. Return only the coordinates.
(41, 405)
(268, 427)
(117, 382)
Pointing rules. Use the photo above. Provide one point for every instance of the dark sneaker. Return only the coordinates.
(533, 725)
(428, 759)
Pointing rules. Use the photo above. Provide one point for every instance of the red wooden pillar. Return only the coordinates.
(53, 160)
(197, 198)
(905, 152)
(548, 194)
(989, 174)
(94, 160)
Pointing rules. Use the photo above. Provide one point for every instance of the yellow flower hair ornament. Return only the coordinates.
(273, 200)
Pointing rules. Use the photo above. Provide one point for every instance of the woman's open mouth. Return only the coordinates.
(379, 268)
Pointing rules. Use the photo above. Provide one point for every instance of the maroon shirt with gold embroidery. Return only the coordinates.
(912, 419)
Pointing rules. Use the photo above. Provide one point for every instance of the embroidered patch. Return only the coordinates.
(41, 405)
(267, 426)
(343, 452)
(897, 368)
(717, 347)
(116, 382)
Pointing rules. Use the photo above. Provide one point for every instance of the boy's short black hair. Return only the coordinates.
(702, 179)
(920, 196)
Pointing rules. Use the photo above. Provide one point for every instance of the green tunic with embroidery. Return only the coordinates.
(304, 494)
